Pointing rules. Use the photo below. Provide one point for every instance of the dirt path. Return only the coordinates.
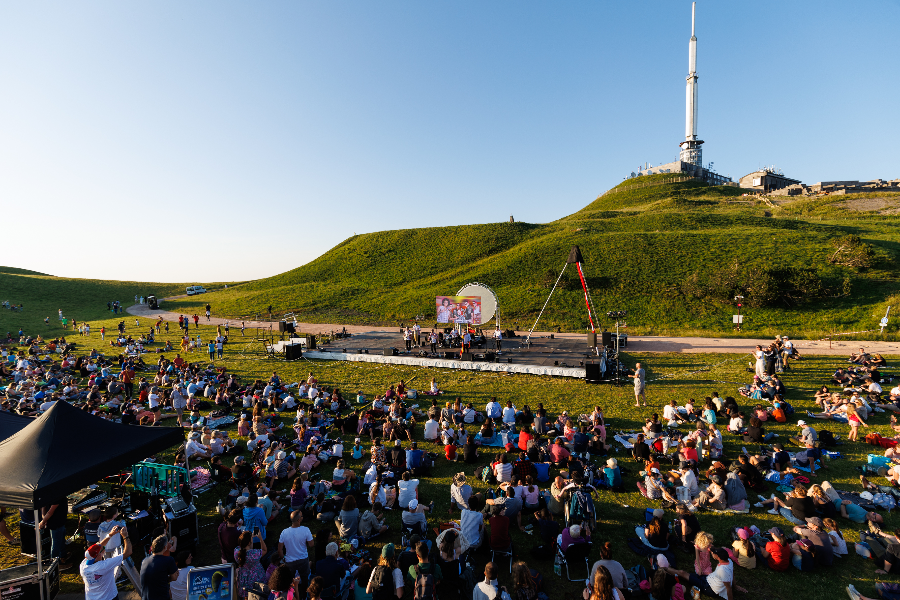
(686, 345)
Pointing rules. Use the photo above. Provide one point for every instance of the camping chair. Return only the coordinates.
(575, 555)
(506, 551)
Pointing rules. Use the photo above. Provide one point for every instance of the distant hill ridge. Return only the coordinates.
(674, 254)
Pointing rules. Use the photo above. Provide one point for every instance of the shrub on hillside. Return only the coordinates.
(850, 251)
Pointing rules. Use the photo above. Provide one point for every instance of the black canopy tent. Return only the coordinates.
(66, 449)
(11, 424)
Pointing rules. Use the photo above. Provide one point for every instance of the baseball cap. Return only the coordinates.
(654, 470)
(801, 423)
(509, 447)
(413, 504)
(776, 531)
(94, 550)
(388, 551)
(815, 521)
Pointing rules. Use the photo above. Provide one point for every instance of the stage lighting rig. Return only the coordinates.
(617, 314)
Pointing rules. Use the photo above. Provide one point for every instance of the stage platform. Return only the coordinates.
(562, 356)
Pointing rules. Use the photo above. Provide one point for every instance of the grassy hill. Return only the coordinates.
(673, 254)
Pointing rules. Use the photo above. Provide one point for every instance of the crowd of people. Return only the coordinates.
(541, 471)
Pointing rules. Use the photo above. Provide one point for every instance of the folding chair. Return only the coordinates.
(504, 552)
(575, 555)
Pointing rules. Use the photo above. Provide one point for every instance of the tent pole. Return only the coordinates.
(37, 538)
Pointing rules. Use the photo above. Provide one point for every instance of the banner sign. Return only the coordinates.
(211, 583)
(459, 309)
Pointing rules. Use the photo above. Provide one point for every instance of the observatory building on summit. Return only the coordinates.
(690, 159)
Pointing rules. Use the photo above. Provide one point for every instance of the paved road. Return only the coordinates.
(686, 345)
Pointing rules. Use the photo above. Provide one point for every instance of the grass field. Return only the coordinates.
(674, 255)
(671, 376)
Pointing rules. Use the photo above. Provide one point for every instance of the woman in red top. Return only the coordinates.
(689, 452)
(777, 552)
(524, 438)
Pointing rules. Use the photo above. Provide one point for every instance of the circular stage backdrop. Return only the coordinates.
(488, 299)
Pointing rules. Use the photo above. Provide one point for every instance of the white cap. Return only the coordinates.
(801, 423)
(413, 504)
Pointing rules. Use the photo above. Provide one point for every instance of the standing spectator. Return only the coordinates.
(179, 587)
(640, 381)
(249, 569)
(228, 534)
(99, 572)
(54, 519)
(294, 545)
(158, 570)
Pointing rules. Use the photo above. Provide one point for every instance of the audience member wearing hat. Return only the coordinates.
(99, 572)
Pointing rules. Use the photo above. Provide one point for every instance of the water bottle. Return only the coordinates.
(557, 565)
(220, 508)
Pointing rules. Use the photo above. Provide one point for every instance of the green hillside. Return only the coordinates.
(673, 254)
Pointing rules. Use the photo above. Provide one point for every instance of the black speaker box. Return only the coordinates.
(450, 354)
(293, 352)
(391, 352)
(467, 356)
(310, 342)
(282, 326)
(490, 356)
(592, 372)
(186, 528)
(607, 338)
(592, 339)
(29, 545)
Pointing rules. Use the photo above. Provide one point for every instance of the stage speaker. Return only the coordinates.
(26, 535)
(310, 342)
(467, 356)
(391, 352)
(592, 372)
(282, 326)
(289, 327)
(490, 356)
(293, 352)
(592, 339)
(139, 500)
(185, 527)
(450, 355)
(607, 338)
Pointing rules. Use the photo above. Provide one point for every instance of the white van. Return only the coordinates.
(195, 289)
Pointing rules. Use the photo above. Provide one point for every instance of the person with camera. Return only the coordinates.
(99, 572)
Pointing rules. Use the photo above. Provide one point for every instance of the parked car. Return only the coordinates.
(195, 289)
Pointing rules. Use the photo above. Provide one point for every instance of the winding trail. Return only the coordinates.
(685, 345)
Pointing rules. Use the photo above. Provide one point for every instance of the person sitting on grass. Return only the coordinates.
(717, 584)
(796, 506)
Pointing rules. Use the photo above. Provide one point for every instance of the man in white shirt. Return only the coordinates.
(288, 403)
(407, 490)
(431, 430)
(488, 589)
(493, 409)
(294, 545)
(99, 572)
(716, 584)
(195, 448)
(469, 414)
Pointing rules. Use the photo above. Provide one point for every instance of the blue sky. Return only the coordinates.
(211, 141)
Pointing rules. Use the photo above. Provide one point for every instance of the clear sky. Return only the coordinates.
(223, 141)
